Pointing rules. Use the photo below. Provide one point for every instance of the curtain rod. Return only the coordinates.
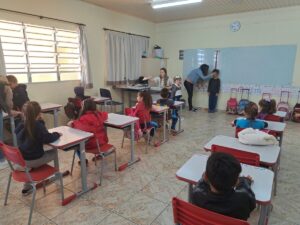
(126, 33)
(41, 17)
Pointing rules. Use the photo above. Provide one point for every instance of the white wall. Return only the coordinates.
(95, 18)
(269, 27)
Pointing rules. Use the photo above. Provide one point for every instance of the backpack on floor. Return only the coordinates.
(244, 100)
(232, 103)
(283, 104)
(296, 110)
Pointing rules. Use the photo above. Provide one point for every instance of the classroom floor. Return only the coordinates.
(142, 194)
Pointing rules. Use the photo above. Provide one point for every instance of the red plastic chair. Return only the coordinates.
(33, 176)
(185, 213)
(244, 157)
(273, 118)
(101, 152)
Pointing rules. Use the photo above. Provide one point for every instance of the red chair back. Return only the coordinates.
(244, 157)
(273, 118)
(187, 214)
(12, 154)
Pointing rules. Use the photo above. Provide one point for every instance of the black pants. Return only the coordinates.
(189, 88)
(212, 102)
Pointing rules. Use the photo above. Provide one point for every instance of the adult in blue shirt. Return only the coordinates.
(193, 78)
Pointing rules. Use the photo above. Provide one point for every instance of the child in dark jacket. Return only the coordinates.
(165, 101)
(213, 90)
(20, 96)
(79, 93)
(176, 92)
(32, 134)
(221, 190)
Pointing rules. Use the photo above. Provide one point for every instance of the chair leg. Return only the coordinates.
(148, 142)
(44, 187)
(102, 168)
(73, 162)
(32, 203)
(61, 186)
(7, 189)
(115, 156)
(123, 140)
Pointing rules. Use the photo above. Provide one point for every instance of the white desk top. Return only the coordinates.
(193, 169)
(99, 99)
(117, 120)
(281, 114)
(176, 103)
(134, 88)
(155, 89)
(70, 136)
(159, 109)
(274, 126)
(49, 106)
(268, 154)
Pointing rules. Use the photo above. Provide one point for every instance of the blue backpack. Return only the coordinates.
(244, 101)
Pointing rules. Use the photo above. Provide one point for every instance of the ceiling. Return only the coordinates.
(143, 9)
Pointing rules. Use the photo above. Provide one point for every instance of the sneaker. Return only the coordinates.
(26, 192)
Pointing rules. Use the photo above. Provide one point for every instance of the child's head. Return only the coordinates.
(267, 106)
(215, 73)
(164, 93)
(163, 72)
(272, 106)
(144, 96)
(79, 91)
(251, 111)
(204, 68)
(177, 80)
(88, 105)
(32, 112)
(12, 80)
(222, 171)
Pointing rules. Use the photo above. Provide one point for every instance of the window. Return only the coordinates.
(40, 54)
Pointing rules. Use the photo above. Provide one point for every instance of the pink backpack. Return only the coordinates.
(296, 110)
(283, 104)
(232, 102)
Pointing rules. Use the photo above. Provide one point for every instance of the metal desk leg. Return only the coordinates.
(264, 214)
(123, 99)
(12, 127)
(280, 139)
(190, 192)
(275, 169)
(180, 130)
(164, 128)
(129, 98)
(132, 153)
(55, 115)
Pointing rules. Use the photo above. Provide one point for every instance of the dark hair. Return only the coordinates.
(216, 71)
(147, 99)
(222, 171)
(88, 105)
(177, 78)
(79, 92)
(267, 106)
(12, 79)
(272, 106)
(251, 110)
(165, 77)
(164, 93)
(204, 68)
(31, 110)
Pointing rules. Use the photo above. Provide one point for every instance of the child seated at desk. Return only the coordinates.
(221, 190)
(176, 92)
(172, 113)
(79, 93)
(91, 120)
(251, 112)
(267, 107)
(142, 111)
(20, 96)
(32, 134)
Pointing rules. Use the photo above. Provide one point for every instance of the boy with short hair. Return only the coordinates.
(20, 96)
(221, 190)
(213, 90)
(166, 101)
(176, 93)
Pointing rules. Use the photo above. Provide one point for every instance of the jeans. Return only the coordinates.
(149, 125)
(189, 88)
(212, 102)
(174, 119)
(1, 133)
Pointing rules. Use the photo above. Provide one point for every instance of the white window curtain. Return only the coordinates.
(124, 53)
(2, 62)
(86, 76)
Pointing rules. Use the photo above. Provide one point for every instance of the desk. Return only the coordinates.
(281, 114)
(120, 122)
(51, 108)
(191, 172)
(162, 110)
(278, 127)
(99, 100)
(71, 137)
(269, 155)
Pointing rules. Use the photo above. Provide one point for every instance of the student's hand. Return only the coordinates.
(15, 113)
(232, 123)
(249, 178)
(60, 134)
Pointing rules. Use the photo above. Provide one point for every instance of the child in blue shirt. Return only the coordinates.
(251, 112)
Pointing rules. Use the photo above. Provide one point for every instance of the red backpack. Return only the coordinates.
(232, 102)
(283, 105)
(296, 110)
